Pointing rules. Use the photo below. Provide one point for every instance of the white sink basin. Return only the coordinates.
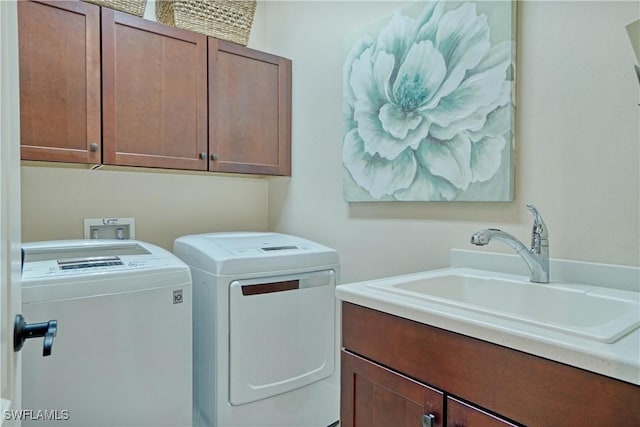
(599, 314)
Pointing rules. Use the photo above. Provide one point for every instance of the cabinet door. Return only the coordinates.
(374, 396)
(460, 414)
(59, 48)
(154, 94)
(249, 110)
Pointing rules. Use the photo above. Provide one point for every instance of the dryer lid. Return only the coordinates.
(244, 245)
(252, 252)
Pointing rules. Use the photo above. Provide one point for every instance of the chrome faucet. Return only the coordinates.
(536, 257)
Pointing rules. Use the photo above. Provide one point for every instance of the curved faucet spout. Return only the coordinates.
(483, 237)
(538, 263)
(536, 257)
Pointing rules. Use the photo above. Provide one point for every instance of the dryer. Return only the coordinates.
(265, 327)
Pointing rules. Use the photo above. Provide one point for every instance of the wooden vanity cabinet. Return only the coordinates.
(59, 56)
(376, 396)
(384, 398)
(483, 384)
(154, 94)
(249, 110)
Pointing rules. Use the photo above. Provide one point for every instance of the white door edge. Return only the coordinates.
(10, 379)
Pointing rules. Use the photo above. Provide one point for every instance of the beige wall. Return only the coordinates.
(578, 132)
(165, 205)
(577, 154)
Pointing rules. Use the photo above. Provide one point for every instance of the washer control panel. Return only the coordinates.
(65, 261)
(91, 262)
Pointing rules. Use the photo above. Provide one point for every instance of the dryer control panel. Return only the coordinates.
(234, 253)
(260, 244)
(280, 248)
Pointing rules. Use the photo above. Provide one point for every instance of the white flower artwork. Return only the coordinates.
(429, 106)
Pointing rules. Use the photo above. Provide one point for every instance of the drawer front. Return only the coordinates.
(460, 414)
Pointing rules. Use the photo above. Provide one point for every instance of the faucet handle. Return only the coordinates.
(539, 232)
(537, 218)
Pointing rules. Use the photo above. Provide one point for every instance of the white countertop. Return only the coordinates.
(620, 359)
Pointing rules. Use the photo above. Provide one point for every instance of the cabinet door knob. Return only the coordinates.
(93, 147)
(214, 157)
(203, 155)
(428, 420)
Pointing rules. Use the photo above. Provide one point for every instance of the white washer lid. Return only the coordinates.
(140, 266)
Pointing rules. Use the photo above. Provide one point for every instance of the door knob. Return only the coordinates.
(23, 331)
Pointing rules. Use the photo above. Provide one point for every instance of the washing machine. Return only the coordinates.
(265, 330)
(122, 355)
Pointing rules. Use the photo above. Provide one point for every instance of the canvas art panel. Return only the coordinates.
(428, 104)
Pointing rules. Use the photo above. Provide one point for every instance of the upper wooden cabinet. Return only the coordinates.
(154, 94)
(171, 98)
(59, 49)
(249, 110)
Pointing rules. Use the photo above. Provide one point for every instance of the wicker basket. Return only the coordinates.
(134, 7)
(223, 19)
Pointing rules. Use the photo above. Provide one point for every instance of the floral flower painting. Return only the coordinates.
(428, 104)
